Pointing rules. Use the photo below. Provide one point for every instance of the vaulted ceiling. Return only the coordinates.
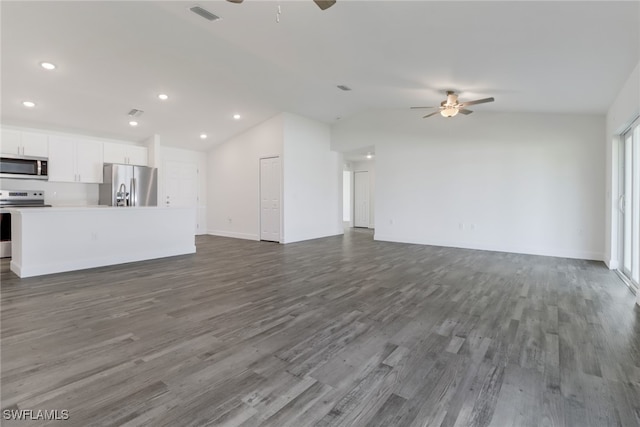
(546, 56)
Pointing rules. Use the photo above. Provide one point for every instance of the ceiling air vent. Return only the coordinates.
(135, 113)
(204, 13)
(343, 87)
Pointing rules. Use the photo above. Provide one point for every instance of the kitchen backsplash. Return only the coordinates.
(57, 193)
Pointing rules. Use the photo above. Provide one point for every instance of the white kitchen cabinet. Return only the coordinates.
(89, 161)
(75, 160)
(15, 142)
(125, 154)
(11, 141)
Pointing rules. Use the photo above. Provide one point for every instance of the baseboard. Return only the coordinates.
(84, 264)
(613, 264)
(305, 238)
(234, 235)
(586, 255)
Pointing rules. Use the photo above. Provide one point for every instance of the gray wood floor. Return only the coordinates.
(337, 331)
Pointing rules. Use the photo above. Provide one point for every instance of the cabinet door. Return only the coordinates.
(11, 143)
(114, 153)
(89, 155)
(35, 144)
(138, 155)
(62, 166)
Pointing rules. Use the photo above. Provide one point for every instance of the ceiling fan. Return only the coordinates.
(451, 107)
(322, 4)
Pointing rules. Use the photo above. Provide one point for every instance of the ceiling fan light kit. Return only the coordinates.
(449, 112)
(450, 107)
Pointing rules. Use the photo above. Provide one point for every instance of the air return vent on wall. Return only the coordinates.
(204, 13)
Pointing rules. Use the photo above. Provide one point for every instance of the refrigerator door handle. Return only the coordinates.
(133, 192)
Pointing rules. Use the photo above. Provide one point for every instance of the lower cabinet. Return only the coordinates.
(75, 160)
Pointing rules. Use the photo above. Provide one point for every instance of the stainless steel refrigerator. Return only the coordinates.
(127, 185)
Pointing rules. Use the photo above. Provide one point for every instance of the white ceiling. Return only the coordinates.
(544, 56)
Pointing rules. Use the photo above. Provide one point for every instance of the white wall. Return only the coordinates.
(369, 166)
(233, 182)
(527, 183)
(199, 160)
(312, 181)
(624, 110)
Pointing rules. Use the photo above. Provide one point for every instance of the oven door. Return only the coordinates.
(5, 233)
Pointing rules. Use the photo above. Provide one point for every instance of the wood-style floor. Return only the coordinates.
(337, 331)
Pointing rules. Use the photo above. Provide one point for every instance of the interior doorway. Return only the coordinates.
(358, 191)
(270, 199)
(361, 200)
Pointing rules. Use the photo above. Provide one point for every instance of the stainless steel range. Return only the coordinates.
(15, 199)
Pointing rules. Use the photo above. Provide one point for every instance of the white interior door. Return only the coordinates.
(270, 199)
(181, 186)
(346, 196)
(361, 199)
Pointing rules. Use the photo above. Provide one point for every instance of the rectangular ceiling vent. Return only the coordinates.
(204, 13)
(343, 87)
(135, 113)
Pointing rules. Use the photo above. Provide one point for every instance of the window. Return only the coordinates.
(629, 203)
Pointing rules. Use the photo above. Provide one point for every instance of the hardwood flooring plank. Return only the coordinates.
(343, 330)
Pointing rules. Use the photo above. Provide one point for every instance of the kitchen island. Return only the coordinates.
(54, 240)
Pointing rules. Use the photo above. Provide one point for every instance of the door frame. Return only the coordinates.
(281, 210)
(627, 274)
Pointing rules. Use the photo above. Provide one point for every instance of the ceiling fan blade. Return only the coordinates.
(477, 101)
(464, 111)
(323, 4)
(432, 114)
(235, 1)
(415, 108)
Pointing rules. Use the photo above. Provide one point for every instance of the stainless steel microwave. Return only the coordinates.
(23, 167)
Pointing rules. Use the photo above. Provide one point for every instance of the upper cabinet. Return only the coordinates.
(125, 154)
(15, 142)
(75, 160)
(72, 158)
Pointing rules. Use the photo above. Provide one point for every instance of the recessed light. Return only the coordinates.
(29, 104)
(236, 116)
(203, 136)
(133, 123)
(369, 156)
(163, 96)
(48, 65)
